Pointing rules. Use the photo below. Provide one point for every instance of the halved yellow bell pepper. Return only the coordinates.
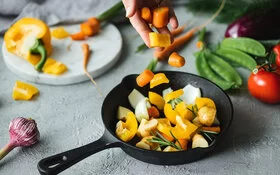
(158, 79)
(28, 37)
(24, 91)
(126, 130)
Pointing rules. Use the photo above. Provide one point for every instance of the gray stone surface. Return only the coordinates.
(70, 116)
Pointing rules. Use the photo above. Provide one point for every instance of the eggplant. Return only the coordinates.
(259, 25)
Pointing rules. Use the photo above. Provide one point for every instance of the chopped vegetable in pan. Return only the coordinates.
(175, 120)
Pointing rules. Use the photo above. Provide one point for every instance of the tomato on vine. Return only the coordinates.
(265, 86)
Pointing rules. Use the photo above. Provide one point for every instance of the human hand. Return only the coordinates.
(133, 12)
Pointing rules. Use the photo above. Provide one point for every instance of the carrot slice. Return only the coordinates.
(160, 17)
(176, 60)
(153, 112)
(146, 14)
(144, 78)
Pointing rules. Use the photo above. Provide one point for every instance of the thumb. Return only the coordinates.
(130, 7)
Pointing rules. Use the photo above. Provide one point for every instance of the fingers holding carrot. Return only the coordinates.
(141, 14)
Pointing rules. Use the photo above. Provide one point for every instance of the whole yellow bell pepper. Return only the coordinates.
(27, 38)
(126, 130)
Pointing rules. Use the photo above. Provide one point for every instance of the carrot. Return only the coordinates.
(176, 60)
(212, 128)
(146, 14)
(86, 51)
(167, 137)
(160, 17)
(178, 30)
(144, 78)
(78, 36)
(86, 29)
(95, 24)
(153, 112)
(183, 143)
(180, 41)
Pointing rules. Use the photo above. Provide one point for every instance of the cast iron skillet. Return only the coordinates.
(119, 96)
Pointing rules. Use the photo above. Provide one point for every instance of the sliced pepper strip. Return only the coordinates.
(128, 129)
(158, 79)
(172, 95)
(24, 91)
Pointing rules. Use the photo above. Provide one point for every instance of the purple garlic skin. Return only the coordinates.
(23, 132)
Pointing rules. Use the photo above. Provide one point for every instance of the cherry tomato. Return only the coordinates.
(265, 86)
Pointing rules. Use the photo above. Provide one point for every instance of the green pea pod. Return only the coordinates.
(223, 68)
(205, 71)
(244, 44)
(237, 57)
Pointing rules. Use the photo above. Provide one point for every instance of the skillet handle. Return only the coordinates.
(59, 162)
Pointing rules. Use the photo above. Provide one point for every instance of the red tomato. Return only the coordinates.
(276, 49)
(265, 86)
(277, 60)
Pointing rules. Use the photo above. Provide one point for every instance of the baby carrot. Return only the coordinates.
(144, 78)
(176, 60)
(86, 51)
(146, 14)
(78, 36)
(160, 17)
(178, 31)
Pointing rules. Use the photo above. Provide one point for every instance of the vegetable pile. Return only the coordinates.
(175, 120)
(218, 65)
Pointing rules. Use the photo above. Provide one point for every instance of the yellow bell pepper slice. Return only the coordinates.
(159, 39)
(204, 101)
(127, 130)
(169, 113)
(184, 129)
(182, 110)
(172, 95)
(59, 33)
(158, 79)
(156, 99)
(24, 91)
(54, 67)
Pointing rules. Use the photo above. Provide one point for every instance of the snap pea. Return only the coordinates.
(223, 68)
(237, 57)
(205, 71)
(244, 44)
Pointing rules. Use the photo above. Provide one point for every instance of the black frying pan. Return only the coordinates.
(119, 96)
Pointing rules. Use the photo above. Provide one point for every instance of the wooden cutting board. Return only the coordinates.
(106, 49)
